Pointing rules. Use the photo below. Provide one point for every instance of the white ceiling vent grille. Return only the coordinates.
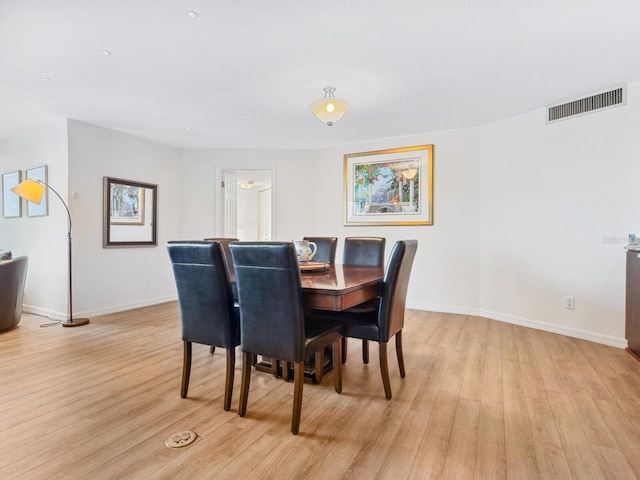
(599, 101)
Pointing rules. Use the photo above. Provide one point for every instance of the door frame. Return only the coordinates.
(220, 171)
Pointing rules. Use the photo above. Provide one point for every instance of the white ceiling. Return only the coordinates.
(242, 74)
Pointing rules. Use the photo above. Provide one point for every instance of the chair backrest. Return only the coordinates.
(204, 292)
(270, 299)
(325, 248)
(394, 291)
(13, 276)
(225, 247)
(364, 251)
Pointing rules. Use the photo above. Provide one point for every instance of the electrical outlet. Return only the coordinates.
(148, 282)
(570, 303)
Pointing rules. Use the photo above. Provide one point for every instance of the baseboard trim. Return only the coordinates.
(512, 319)
(526, 322)
(53, 315)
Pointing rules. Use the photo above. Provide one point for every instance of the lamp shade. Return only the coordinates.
(30, 190)
(330, 109)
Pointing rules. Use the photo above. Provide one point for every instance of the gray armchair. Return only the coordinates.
(13, 275)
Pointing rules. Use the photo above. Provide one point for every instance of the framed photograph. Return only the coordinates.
(389, 187)
(127, 204)
(130, 213)
(33, 209)
(11, 202)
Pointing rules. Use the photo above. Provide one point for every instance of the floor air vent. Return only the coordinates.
(599, 101)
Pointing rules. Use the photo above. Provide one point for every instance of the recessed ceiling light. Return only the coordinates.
(46, 79)
(106, 53)
(188, 128)
(192, 14)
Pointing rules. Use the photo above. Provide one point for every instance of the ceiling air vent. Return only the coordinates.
(599, 101)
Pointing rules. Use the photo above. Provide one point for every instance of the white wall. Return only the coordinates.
(42, 239)
(445, 273)
(113, 279)
(291, 182)
(524, 214)
(248, 214)
(557, 202)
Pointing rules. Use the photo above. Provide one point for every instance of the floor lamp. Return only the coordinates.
(33, 191)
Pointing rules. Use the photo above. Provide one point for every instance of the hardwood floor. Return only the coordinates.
(481, 399)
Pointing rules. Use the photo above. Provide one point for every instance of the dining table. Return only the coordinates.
(338, 287)
(333, 287)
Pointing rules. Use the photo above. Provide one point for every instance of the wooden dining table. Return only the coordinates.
(334, 287)
(339, 287)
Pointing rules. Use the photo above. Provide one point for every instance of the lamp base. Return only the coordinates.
(76, 322)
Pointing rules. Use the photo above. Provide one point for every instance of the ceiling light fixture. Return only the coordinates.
(106, 53)
(330, 109)
(192, 14)
(246, 185)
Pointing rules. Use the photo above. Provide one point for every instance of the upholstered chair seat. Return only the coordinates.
(366, 251)
(207, 310)
(13, 276)
(325, 248)
(272, 317)
(387, 321)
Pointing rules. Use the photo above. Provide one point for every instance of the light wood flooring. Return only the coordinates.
(481, 399)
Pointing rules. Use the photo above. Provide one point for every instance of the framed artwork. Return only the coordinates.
(130, 213)
(33, 209)
(127, 204)
(11, 202)
(389, 187)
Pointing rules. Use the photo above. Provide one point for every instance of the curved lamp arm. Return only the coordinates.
(33, 190)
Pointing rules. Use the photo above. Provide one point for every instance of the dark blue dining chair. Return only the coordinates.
(225, 248)
(325, 248)
(387, 321)
(207, 311)
(365, 251)
(272, 318)
(224, 241)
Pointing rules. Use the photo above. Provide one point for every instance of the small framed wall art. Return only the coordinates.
(11, 203)
(33, 209)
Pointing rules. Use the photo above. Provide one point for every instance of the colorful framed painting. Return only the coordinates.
(389, 187)
(11, 203)
(33, 209)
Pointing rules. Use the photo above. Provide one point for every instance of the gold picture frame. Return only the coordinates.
(389, 187)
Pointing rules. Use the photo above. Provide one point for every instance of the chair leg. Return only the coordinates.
(212, 350)
(186, 368)
(274, 367)
(365, 352)
(344, 349)
(298, 382)
(319, 360)
(337, 365)
(228, 386)
(399, 353)
(244, 386)
(285, 371)
(384, 370)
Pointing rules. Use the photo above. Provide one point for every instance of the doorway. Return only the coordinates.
(247, 199)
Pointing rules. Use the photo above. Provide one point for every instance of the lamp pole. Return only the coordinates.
(77, 321)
